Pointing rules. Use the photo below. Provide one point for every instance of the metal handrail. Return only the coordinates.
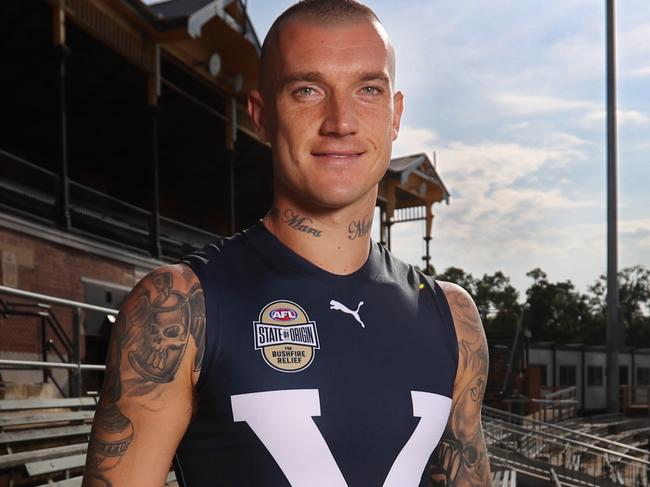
(31, 165)
(620, 470)
(185, 226)
(112, 199)
(60, 301)
(595, 449)
(560, 392)
(51, 365)
(540, 401)
(556, 481)
(123, 209)
(536, 468)
(557, 427)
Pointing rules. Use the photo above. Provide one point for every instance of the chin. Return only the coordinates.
(335, 198)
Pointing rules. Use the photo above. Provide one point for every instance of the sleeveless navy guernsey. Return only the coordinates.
(315, 379)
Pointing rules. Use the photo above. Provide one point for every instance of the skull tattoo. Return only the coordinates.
(166, 331)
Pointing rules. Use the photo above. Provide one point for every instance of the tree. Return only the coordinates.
(559, 313)
(634, 301)
(499, 301)
(495, 298)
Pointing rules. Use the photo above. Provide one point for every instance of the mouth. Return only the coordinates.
(337, 155)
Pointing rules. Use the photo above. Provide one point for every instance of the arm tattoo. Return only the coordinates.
(154, 342)
(197, 323)
(112, 432)
(461, 455)
(300, 223)
(359, 228)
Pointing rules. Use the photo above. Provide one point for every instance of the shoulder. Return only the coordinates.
(464, 432)
(165, 315)
(472, 343)
(178, 277)
(463, 309)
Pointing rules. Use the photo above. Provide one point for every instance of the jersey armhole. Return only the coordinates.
(211, 349)
(444, 309)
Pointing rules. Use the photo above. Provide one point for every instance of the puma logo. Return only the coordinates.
(341, 307)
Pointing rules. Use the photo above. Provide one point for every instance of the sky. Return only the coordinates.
(510, 95)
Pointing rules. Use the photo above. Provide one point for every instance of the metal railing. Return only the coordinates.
(554, 407)
(634, 396)
(39, 306)
(29, 190)
(578, 458)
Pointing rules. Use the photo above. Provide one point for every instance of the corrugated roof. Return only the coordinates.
(401, 167)
(401, 164)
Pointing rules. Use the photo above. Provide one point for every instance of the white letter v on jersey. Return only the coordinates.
(276, 415)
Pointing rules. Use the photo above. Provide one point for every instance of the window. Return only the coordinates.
(643, 376)
(622, 375)
(594, 375)
(567, 375)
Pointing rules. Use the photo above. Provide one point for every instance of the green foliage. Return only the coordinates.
(495, 298)
(634, 302)
(559, 313)
(556, 311)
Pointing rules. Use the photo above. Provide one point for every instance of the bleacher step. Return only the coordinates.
(76, 481)
(15, 459)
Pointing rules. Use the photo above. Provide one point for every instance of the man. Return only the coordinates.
(298, 352)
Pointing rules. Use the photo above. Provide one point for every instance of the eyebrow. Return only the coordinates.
(309, 76)
(314, 76)
(375, 76)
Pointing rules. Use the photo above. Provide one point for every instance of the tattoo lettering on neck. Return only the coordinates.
(359, 228)
(300, 223)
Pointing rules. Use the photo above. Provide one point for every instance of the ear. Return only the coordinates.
(398, 108)
(257, 114)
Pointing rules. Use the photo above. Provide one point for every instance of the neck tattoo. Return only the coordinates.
(300, 223)
(359, 228)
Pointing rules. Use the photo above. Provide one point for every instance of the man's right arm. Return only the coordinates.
(154, 359)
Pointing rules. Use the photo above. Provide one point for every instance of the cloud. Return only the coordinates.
(507, 207)
(623, 117)
(412, 140)
(640, 72)
(534, 104)
(516, 104)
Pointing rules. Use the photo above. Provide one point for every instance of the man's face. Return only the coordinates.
(330, 114)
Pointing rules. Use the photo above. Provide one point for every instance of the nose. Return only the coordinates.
(340, 117)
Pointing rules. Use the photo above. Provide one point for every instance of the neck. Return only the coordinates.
(337, 241)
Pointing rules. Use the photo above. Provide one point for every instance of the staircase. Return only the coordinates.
(543, 451)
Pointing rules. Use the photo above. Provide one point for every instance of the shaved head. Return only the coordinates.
(320, 13)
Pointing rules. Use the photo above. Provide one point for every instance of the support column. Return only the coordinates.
(391, 203)
(382, 226)
(427, 236)
(615, 330)
(153, 89)
(61, 53)
(75, 382)
(231, 144)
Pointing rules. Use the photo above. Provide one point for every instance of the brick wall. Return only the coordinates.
(56, 270)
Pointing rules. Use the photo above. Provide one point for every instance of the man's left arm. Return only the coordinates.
(461, 458)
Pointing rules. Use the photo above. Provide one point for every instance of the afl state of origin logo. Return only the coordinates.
(285, 336)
